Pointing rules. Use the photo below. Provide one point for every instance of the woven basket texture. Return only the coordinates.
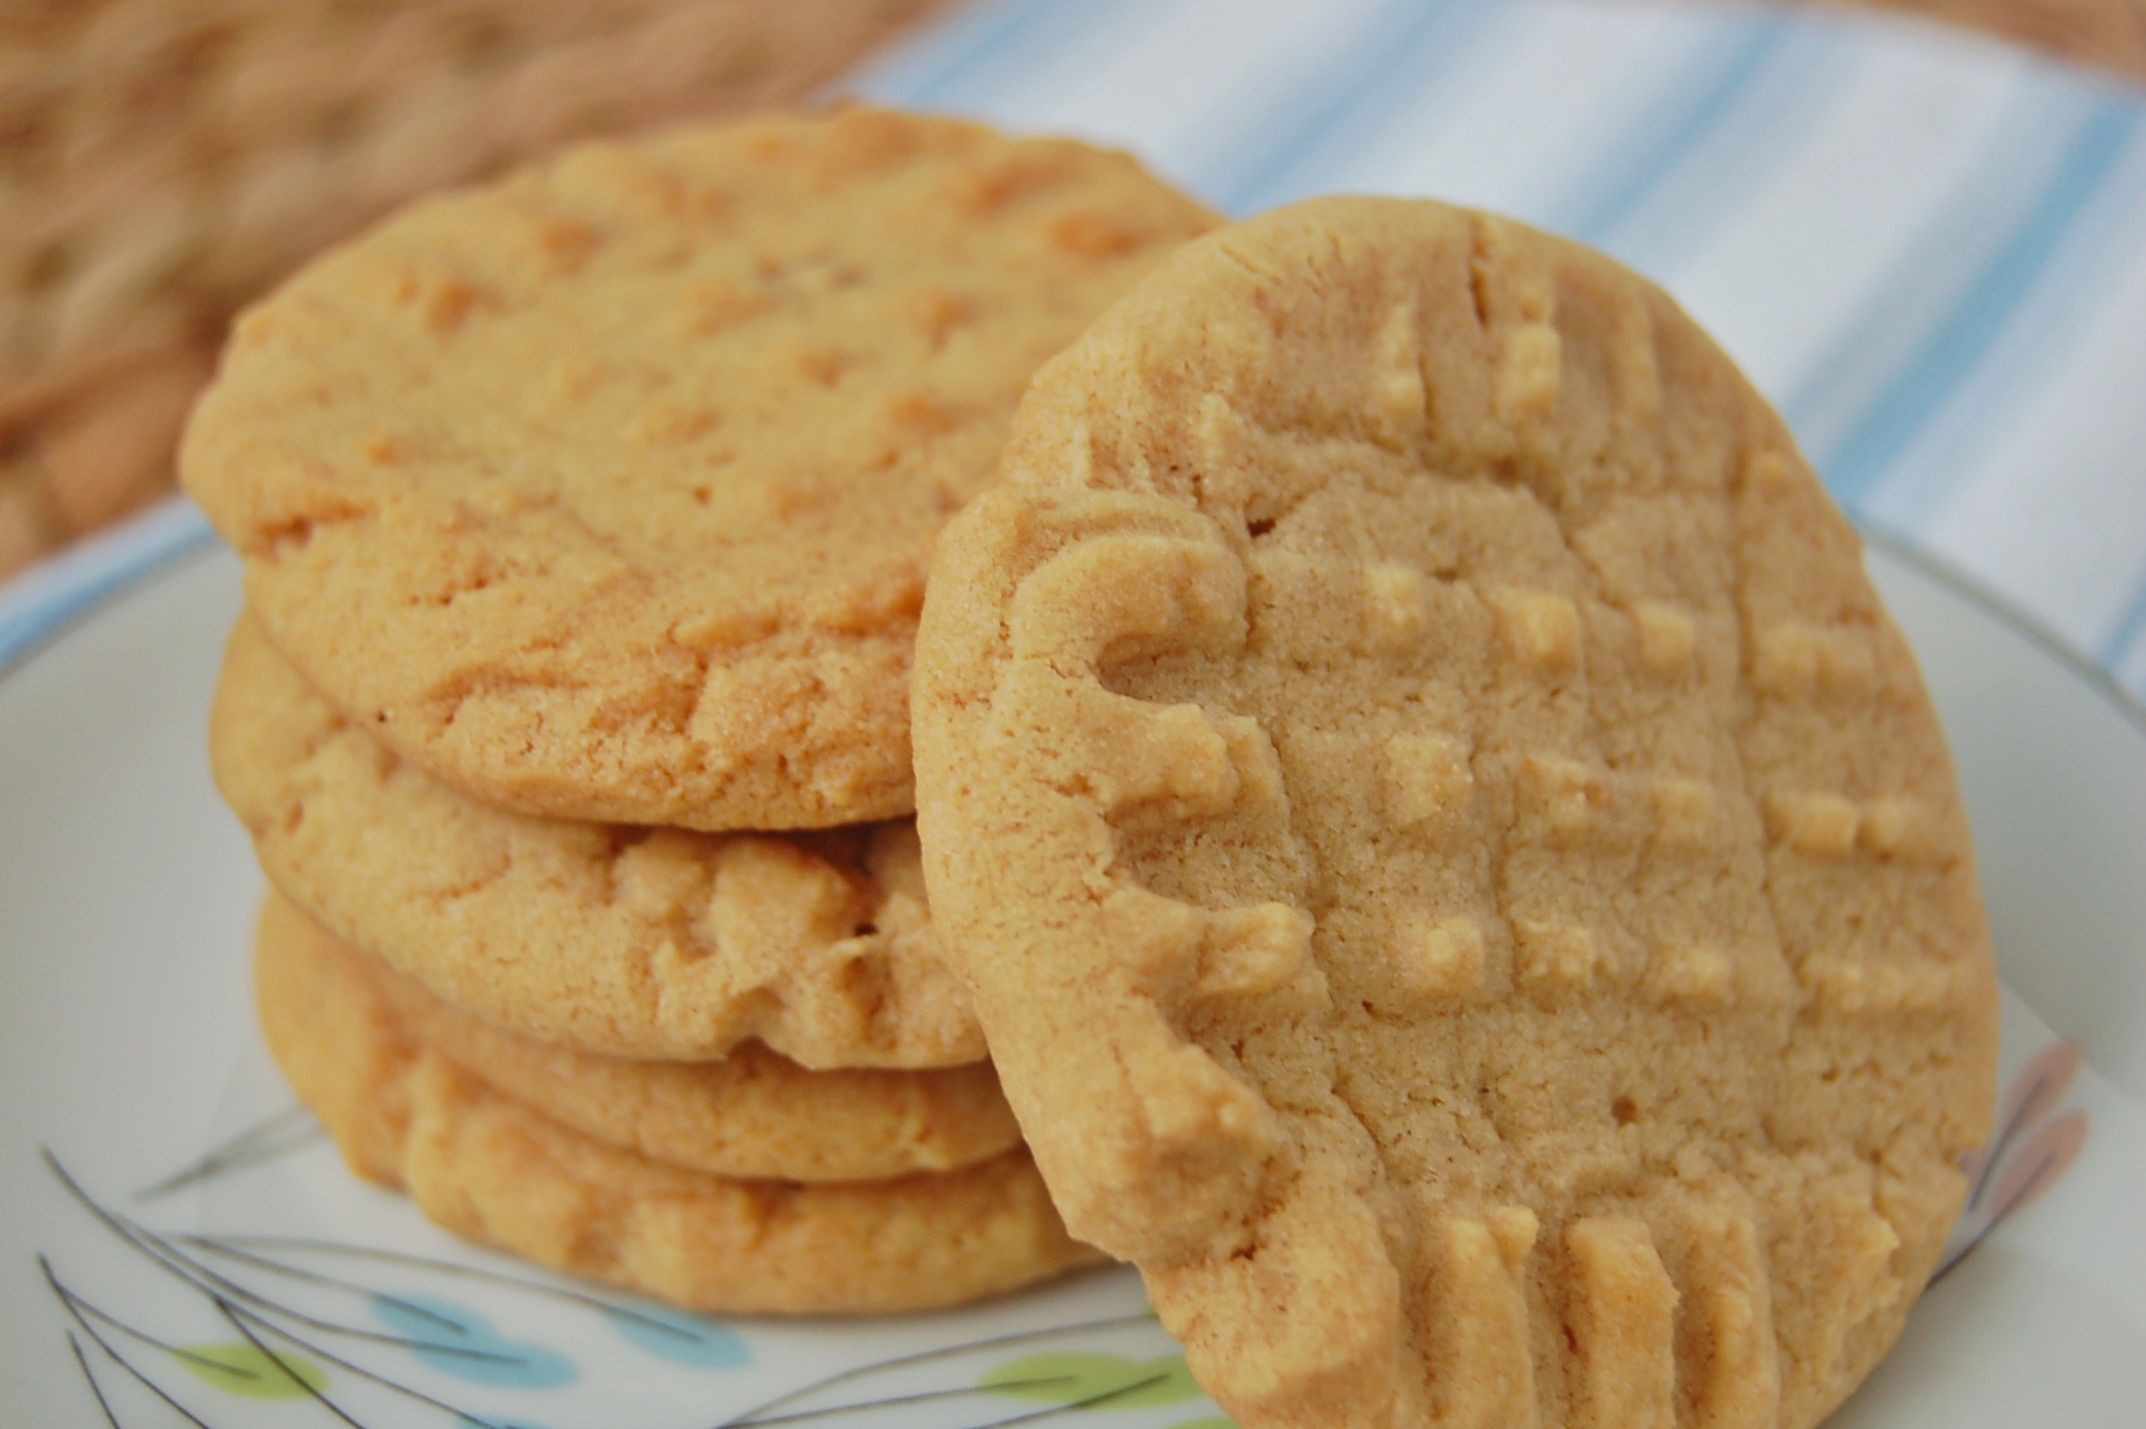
(162, 162)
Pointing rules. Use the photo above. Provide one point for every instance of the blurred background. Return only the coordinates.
(164, 161)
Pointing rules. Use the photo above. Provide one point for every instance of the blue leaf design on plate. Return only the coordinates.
(458, 1341)
(682, 1339)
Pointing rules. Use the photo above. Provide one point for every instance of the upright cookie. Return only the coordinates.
(1460, 877)
(633, 942)
(606, 492)
(489, 1168)
(753, 1113)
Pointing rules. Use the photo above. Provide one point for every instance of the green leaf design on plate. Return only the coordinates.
(1212, 1421)
(242, 1369)
(1096, 1381)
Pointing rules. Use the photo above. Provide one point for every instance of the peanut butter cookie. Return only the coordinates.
(1460, 877)
(628, 941)
(606, 492)
(754, 1113)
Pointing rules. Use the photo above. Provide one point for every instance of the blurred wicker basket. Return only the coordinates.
(164, 161)
(2107, 34)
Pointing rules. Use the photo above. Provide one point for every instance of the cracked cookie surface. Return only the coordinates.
(635, 942)
(753, 1113)
(491, 1169)
(606, 491)
(1462, 881)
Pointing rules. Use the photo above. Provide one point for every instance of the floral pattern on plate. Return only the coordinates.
(356, 1330)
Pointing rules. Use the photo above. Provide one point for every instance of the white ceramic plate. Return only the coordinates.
(167, 1217)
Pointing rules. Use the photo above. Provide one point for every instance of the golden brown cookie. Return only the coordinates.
(658, 943)
(606, 492)
(490, 1168)
(754, 1113)
(1461, 878)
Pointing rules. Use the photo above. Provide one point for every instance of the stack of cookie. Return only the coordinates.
(1459, 877)
(585, 520)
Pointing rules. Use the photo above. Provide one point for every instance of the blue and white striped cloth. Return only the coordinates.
(1928, 249)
